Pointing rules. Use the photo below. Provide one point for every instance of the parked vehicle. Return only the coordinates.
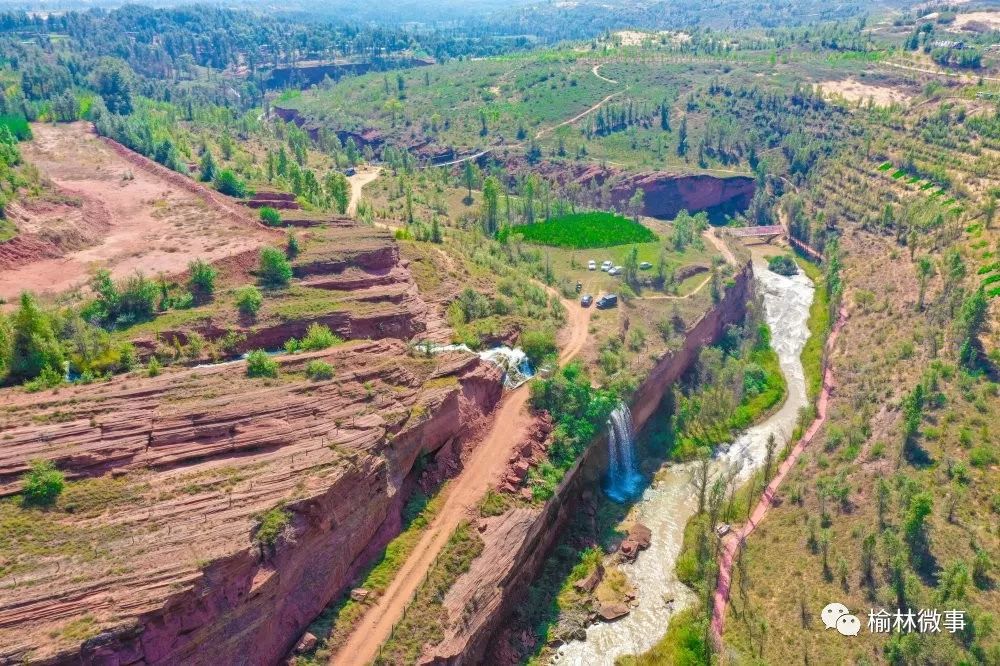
(614, 270)
(607, 301)
(586, 300)
(591, 265)
(606, 266)
(645, 266)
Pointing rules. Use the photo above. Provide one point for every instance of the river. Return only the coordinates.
(666, 506)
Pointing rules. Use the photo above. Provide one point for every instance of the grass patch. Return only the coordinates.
(898, 173)
(585, 230)
(684, 643)
(7, 230)
(885, 166)
(819, 327)
(424, 619)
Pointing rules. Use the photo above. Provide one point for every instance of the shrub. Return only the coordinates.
(318, 337)
(259, 364)
(270, 216)
(292, 246)
(230, 184)
(318, 370)
(202, 280)
(153, 368)
(33, 346)
(538, 344)
(123, 303)
(42, 483)
(275, 271)
(249, 300)
(271, 526)
(783, 265)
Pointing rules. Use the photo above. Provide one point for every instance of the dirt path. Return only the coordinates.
(358, 182)
(463, 493)
(735, 540)
(548, 130)
(597, 73)
(955, 75)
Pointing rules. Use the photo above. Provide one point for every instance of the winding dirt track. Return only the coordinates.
(510, 424)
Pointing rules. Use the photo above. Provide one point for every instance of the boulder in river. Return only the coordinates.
(611, 612)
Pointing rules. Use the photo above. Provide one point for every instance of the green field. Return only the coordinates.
(585, 230)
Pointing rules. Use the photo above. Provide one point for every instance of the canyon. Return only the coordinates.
(518, 541)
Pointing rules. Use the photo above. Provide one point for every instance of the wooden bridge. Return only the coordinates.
(770, 232)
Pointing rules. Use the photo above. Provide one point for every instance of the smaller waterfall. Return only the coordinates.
(514, 362)
(624, 480)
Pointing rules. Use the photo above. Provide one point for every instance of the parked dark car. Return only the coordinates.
(587, 300)
(607, 301)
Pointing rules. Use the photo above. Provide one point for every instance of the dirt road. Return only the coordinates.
(510, 425)
(358, 182)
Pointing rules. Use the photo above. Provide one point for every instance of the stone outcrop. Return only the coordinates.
(156, 563)
(517, 542)
(666, 193)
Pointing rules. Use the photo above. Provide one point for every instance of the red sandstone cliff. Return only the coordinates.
(155, 564)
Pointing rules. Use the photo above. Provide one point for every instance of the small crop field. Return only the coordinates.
(586, 230)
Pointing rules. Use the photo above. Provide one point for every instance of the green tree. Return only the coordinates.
(924, 270)
(34, 347)
(491, 205)
(338, 190)
(274, 270)
(207, 169)
(916, 531)
(470, 174)
(631, 267)
(113, 81)
(971, 320)
(42, 484)
(682, 137)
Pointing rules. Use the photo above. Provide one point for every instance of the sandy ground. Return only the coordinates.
(632, 37)
(510, 424)
(991, 19)
(155, 226)
(855, 91)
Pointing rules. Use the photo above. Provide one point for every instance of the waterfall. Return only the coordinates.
(514, 362)
(624, 479)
